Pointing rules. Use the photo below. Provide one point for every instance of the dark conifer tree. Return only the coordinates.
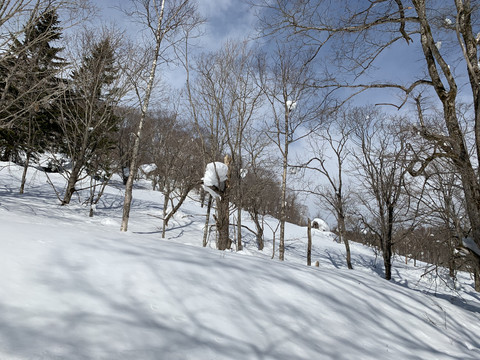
(88, 115)
(30, 90)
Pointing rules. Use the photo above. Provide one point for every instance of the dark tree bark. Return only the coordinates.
(259, 228)
(223, 211)
(309, 244)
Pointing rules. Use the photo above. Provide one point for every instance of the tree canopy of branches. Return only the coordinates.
(175, 152)
(295, 107)
(381, 162)
(334, 197)
(441, 33)
(225, 99)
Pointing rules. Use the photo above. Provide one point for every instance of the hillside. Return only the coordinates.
(75, 287)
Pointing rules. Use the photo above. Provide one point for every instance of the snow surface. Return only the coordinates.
(148, 168)
(75, 287)
(216, 174)
(322, 224)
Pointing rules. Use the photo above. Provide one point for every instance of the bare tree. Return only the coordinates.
(163, 21)
(382, 168)
(334, 141)
(246, 106)
(442, 33)
(224, 100)
(175, 152)
(206, 104)
(259, 183)
(287, 82)
(445, 204)
(205, 122)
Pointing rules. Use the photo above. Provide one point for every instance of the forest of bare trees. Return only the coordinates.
(286, 111)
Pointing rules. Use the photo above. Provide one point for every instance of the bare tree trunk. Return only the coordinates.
(476, 276)
(166, 197)
(387, 262)
(24, 174)
(29, 154)
(239, 228)
(239, 196)
(136, 147)
(387, 247)
(135, 153)
(93, 185)
(259, 235)
(273, 246)
(207, 220)
(281, 247)
(309, 244)
(202, 197)
(341, 233)
(222, 223)
(72, 180)
(274, 232)
(223, 211)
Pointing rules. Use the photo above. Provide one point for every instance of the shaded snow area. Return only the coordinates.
(75, 287)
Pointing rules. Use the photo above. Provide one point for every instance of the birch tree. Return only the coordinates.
(294, 104)
(162, 21)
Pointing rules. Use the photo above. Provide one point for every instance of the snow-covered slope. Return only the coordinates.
(75, 287)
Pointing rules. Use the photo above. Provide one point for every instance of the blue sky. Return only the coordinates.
(226, 19)
(234, 19)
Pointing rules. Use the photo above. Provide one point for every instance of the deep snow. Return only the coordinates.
(75, 287)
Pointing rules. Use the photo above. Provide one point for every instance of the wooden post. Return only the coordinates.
(309, 247)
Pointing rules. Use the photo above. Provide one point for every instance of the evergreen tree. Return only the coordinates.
(29, 90)
(88, 117)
